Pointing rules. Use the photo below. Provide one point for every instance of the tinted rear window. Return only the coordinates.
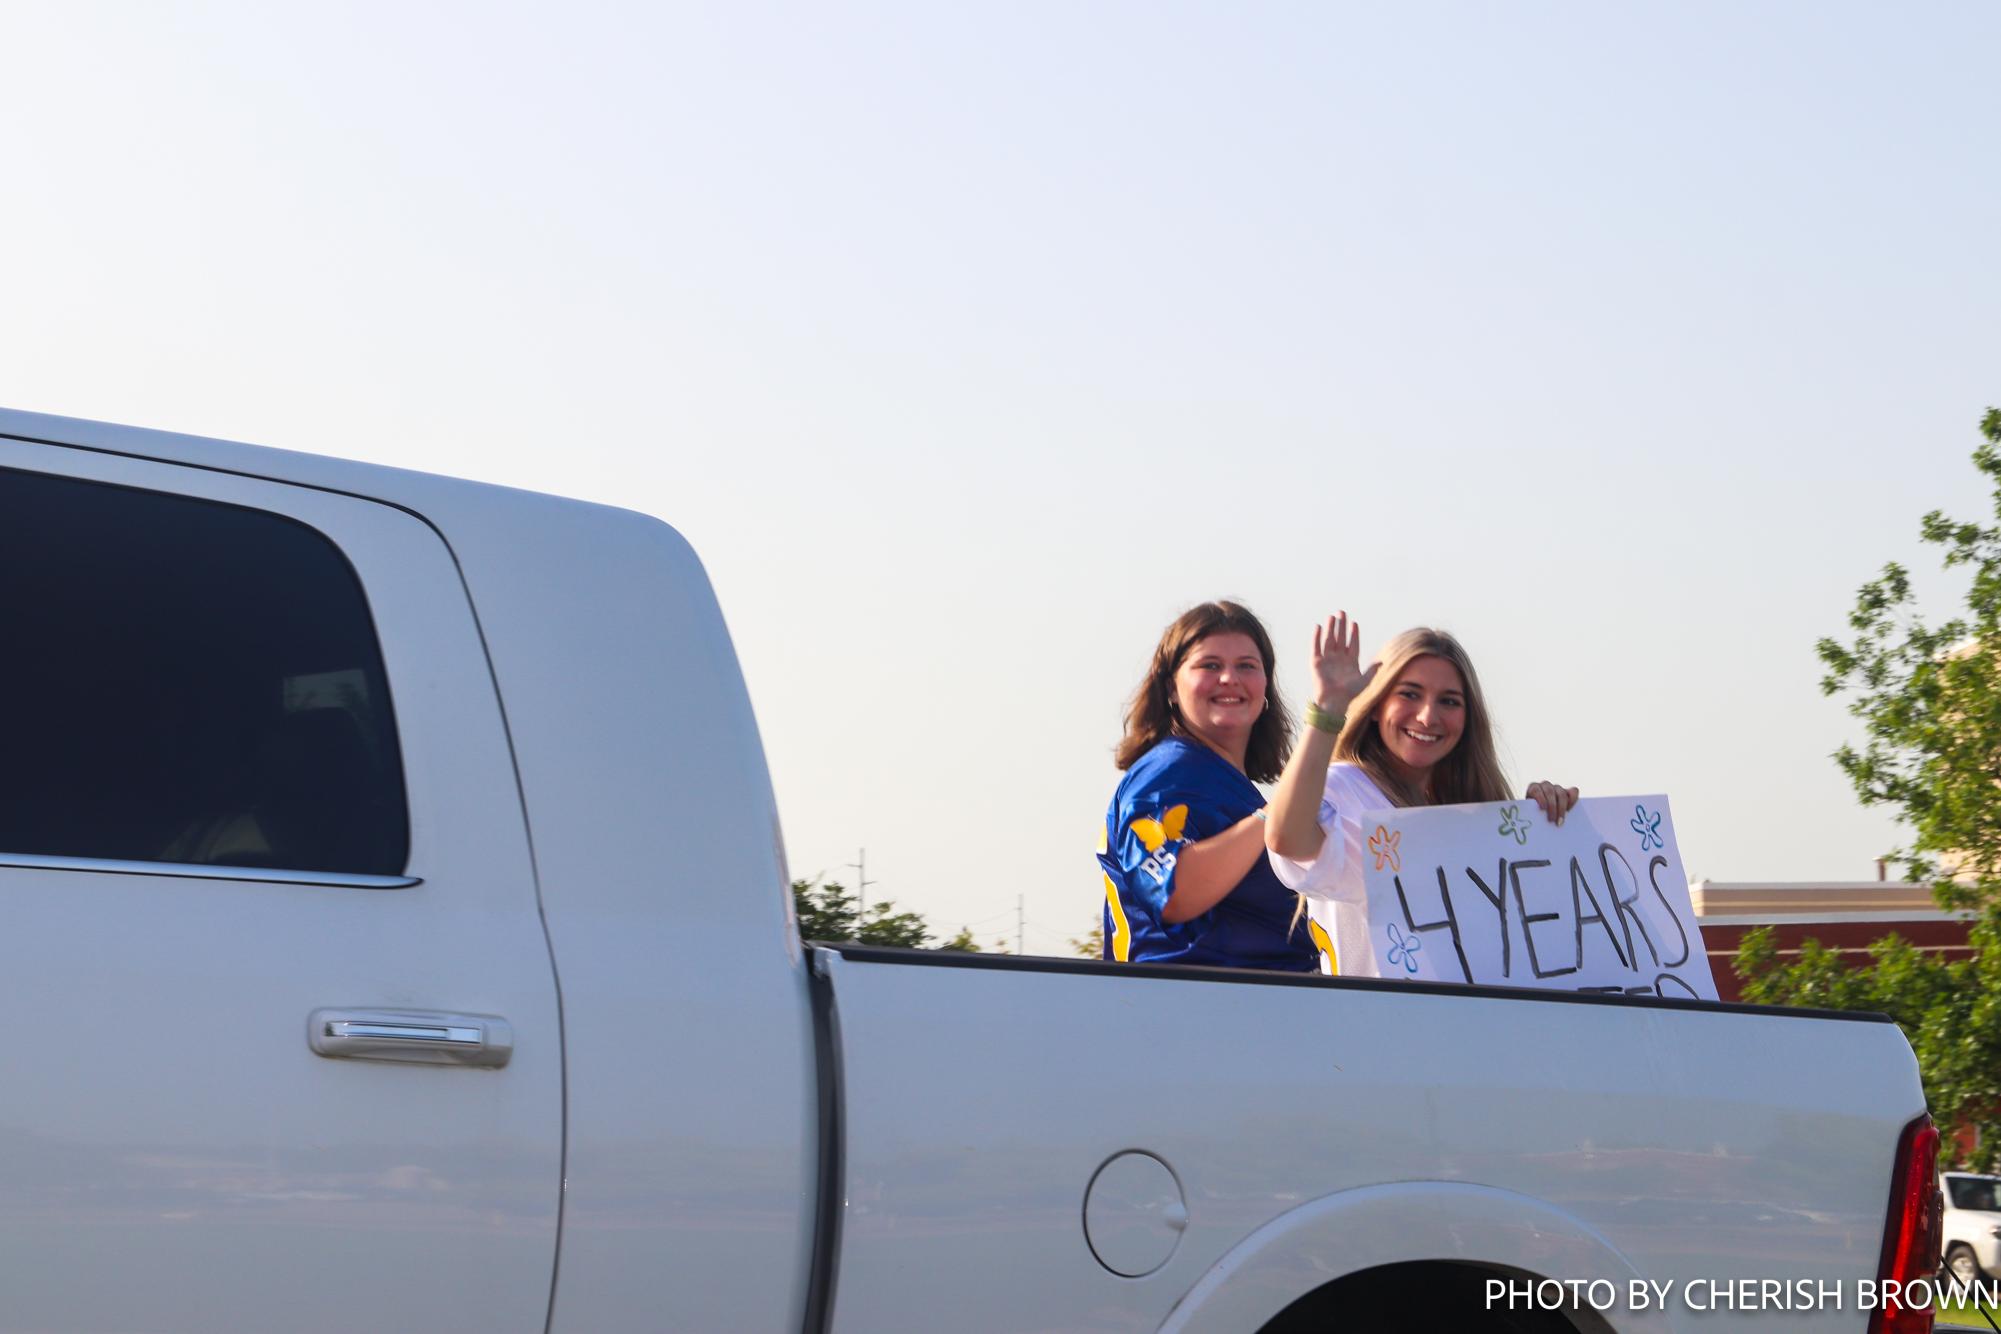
(188, 681)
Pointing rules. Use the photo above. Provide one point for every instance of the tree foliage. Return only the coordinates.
(827, 911)
(1929, 696)
(964, 941)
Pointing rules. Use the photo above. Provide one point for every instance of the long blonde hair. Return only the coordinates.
(1472, 772)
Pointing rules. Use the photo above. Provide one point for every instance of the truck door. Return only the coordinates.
(282, 1041)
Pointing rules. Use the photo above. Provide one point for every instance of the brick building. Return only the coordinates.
(1843, 915)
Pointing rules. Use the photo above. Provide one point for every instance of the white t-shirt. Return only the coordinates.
(1336, 898)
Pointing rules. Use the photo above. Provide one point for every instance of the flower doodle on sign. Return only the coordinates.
(1403, 949)
(1383, 843)
(1516, 823)
(1648, 827)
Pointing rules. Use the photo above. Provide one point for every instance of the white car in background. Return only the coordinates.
(1972, 1233)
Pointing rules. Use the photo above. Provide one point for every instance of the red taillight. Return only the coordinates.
(1913, 1231)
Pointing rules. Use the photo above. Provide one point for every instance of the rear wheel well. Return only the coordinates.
(1426, 1294)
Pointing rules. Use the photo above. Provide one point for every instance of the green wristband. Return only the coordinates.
(1318, 717)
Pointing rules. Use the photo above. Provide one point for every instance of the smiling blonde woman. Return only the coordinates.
(1412, 729)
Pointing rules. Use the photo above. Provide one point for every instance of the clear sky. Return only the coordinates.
(969, 344)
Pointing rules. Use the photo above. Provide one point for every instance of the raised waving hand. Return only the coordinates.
(1338, 674)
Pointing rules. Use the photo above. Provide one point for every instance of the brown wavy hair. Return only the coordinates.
(1151, 717)
(1472, 772)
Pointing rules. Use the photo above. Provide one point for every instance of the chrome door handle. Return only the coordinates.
(412, 1035)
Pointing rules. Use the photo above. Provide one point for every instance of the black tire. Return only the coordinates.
(1960, 1264)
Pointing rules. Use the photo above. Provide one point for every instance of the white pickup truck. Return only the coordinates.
(397, 939)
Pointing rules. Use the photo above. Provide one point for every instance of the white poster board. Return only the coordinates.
(1495, 894)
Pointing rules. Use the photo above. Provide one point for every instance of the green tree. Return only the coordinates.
(1929, 697)
(1930, 703)
(964, 941)
(826, 911)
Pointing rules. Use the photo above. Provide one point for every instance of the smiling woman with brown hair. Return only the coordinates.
(1183, 849)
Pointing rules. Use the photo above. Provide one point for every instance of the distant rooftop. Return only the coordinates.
(1754, 902)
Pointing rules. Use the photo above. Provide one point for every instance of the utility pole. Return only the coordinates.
(1019, 920)
(862, 883)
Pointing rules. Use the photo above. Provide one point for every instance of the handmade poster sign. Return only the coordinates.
(1496, 894)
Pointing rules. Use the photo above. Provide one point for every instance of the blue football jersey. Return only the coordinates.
(1177, 793)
